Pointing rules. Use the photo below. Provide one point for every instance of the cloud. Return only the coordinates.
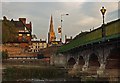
(88, 15)
(82, 15)
(60, 1)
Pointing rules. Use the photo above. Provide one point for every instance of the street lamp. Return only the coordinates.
(103, 10)
(61, 23)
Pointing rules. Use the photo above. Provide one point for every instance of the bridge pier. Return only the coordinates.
(52, 59)
(85, 66)
(59, 60)
(85, 55)
(86, 59)
(102, 58)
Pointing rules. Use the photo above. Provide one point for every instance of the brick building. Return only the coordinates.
(23, 30)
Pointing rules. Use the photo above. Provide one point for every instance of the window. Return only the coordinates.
(28, 34)
(20, 34)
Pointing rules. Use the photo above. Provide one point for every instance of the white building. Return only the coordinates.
(37, 45)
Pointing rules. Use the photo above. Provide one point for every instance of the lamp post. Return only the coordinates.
(103, 10)
(61, 23)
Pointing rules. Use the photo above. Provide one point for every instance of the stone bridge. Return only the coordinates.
(92, 51)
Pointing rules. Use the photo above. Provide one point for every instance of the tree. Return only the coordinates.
(5, 54)
(9, 32)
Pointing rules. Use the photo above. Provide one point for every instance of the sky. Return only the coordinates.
(83, 15)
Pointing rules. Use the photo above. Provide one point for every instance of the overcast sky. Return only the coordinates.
(83, 16)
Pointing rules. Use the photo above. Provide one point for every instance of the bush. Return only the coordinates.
(4, 54)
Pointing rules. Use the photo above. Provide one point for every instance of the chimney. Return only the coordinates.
(4, 18)
(40, 39)
(30, 24)
(90, 30)
(23, 20)
(12, 20)
(60, 40)
(70, 37)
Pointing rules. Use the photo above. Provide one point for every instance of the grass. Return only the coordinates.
(16, 73)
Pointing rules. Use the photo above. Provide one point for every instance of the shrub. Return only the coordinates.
(4, 54)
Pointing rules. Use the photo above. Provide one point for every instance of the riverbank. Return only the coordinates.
(26, 73)
(40, 71)
(31, 69)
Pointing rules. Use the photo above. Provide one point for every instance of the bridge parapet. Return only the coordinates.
(112, 31)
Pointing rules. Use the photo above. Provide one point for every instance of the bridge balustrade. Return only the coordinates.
(112, 30)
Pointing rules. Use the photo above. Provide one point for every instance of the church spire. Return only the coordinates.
(51, 33)
(51, 25)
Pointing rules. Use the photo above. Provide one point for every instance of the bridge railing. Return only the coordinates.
(95, 35)
(112, 30)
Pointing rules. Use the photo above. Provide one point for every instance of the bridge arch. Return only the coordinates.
(71, 61)
(81, 61)
(93, 62)
(113, 59)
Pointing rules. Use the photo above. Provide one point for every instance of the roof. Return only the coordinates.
(29, 26)
(18, 24)
(21, 25)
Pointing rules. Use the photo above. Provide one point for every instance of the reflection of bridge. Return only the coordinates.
(93, 48)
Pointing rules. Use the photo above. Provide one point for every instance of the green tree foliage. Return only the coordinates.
(4, 54)
(9, 32)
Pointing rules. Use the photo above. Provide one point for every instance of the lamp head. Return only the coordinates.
(103, 10)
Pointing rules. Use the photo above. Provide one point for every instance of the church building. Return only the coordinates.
(51, 35)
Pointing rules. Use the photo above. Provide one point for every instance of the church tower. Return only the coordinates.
(51, 33)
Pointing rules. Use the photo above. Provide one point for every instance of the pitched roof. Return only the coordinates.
(21, 26)
(29, 26)
(18, 24)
